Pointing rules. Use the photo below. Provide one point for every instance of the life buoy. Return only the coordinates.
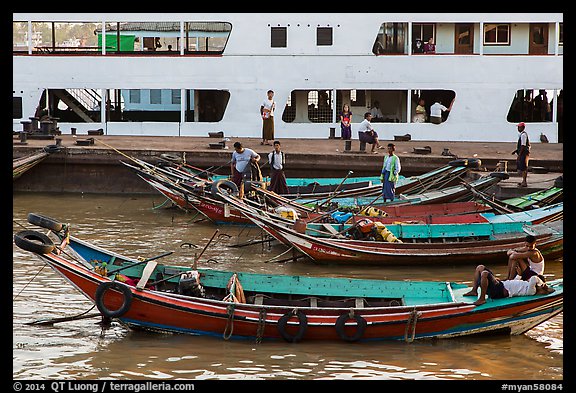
(302, 326)
(220, 185)
(500, 175)
(115, 285)
(360, 327)
(45, 222)
(34, 242)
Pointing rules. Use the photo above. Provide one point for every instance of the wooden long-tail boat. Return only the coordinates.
(318, 188)
(455, 193)
(149, 295)
(472, 243)
(199, 195)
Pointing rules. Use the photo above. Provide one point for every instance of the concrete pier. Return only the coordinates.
(96, 168)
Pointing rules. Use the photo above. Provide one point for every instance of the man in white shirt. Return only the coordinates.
(277, 160)
(376, 113)
(498, 289)
(436, 112)
(367, 134)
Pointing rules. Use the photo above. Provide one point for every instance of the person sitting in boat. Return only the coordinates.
(240, 166)
(367, 134)
(497, 289)
(526, 261)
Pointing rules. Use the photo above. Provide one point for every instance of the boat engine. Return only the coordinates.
(190, 285)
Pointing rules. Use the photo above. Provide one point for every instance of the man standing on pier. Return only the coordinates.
(389, 175)
(523, 151)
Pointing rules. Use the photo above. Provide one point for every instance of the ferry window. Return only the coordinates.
(176, 96)
(19, 36)
(324, 36)
(320, 106)
(427, 98)
(532, 105)
(206, 37)
(155, 96)
(422, 32)
(16, 107)
(134, 96)
(391, 39)
(72, 105)
(278, 37)
(210, 105)
(289, 113)
(140, 37)
(64, 37)
(496, 34)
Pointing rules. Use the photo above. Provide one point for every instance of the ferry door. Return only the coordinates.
(538, 39)
(464, 39)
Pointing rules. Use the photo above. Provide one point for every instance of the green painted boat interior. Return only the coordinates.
(336, 291)
(322, 181)
(425, 231)
(533, 198)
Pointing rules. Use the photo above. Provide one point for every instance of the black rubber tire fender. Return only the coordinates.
(559, 182)
(172, 157)
(360, 327)
(114, 285)
(302, 326)
(52, 149)
(500, 175)
(467, 162)
(34, 241)
(45, 222)
(223, 184)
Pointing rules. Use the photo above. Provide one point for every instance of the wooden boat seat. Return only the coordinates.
(332, 231)
(146, 273)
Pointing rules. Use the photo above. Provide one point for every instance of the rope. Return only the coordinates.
(411, 325)
(279, 255)
(52, 321)
(229, 321)
(162, 204)
(28, 283)
(261, 325)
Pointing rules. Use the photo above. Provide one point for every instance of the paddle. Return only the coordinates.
(194, 264)
(496, 206)
(205, 247)
(336, 190)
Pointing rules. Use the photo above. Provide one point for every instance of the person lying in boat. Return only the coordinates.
(498, 289)
(526, 261)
